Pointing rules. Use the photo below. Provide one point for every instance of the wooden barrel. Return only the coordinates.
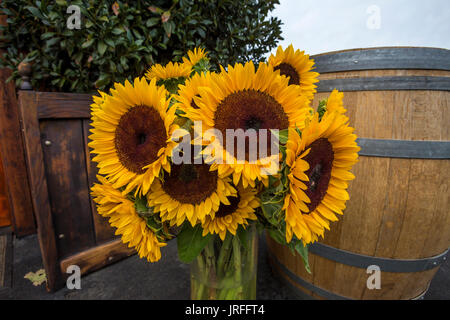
(398, 216)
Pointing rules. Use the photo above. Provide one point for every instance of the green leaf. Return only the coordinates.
(190, 242)
(87, 43)
(303, 251)
(101, 47)
(277, 236)
(102, 80)
(109, 42)
(141, 205)
(51, 42)
(152, 22)
(117, 31)
(168, 28)
(35, 11)
(201, 32)
(47, 35)
(37, 278)
(322, 108)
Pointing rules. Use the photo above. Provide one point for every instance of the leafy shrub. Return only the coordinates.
(120, 40)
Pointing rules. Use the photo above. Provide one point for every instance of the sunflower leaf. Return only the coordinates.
(322, 108)
(276, 235)
(190, 242)
(303, 252)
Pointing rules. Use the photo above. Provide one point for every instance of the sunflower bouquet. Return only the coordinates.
(209, 158)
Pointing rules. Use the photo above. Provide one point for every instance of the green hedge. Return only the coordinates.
(121, 39)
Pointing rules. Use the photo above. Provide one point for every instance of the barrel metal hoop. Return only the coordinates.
(404, 148)
(383, 58)
(307, 285)
(386, 84)
(385, 264)
(422, 295)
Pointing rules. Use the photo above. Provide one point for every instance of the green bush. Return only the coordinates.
(120, 40)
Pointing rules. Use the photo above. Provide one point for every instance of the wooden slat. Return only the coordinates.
(103, 231)
(97, 257)
(13, 157)
(5, 217)
(66, 174)
(54, 105)
(39, 190)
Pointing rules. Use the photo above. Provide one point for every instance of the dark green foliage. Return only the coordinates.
(113, 45)
(190, 242)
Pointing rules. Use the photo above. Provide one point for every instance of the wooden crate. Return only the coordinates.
(55, 130)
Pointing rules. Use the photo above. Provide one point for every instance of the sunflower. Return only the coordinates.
(120, 211)
(98, 104)
(131, 135)
(194, 57)
(335, 102)
(319, 162)
(189, 90)
(297, 67)
(98, 101)
(241, 99)
(190, 191)
(229, 216)
(172, 70)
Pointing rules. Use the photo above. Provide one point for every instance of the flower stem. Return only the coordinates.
(237, 265)
(224, 254)
(211, 267)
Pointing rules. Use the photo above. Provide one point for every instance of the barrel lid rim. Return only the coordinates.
(376, 48)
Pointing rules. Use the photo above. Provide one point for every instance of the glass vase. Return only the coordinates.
(226, 270)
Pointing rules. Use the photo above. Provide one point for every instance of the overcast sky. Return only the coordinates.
(318, 26)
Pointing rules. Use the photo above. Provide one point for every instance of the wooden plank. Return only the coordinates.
(420, 207)
(97, 257)
(12, 151)
(56, 105)
(5, 217)
(395, 208)
(39, 190)
(65, 164)
(103, 231)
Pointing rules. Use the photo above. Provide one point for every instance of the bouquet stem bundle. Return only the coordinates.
(226, 270)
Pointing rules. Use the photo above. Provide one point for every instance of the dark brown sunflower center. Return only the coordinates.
(188, 173)
(139, 136)
(225, 210)
(289, 71)
(253, 123)
(190, 183)
(320, 160)
(250, 109)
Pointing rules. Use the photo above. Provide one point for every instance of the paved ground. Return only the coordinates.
(134, 278)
